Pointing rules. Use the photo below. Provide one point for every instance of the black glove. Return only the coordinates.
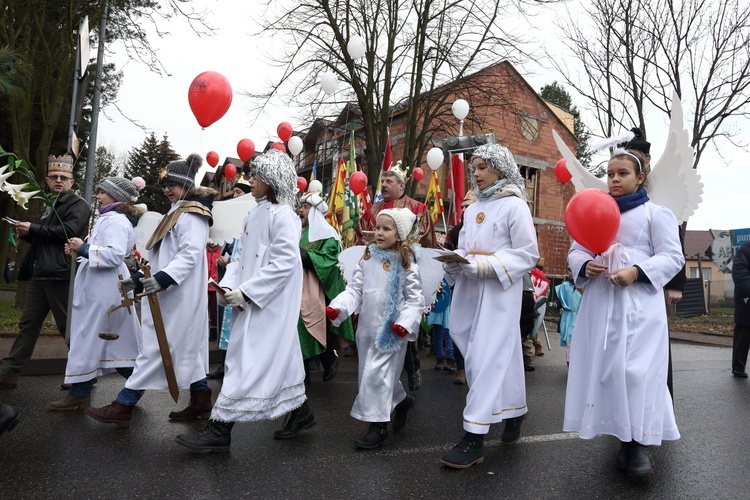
(307, 262)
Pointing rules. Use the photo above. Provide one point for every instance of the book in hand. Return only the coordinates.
(446, 256)
(213, 285)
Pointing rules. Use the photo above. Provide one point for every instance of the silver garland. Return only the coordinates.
(500, 160)
(276, 169)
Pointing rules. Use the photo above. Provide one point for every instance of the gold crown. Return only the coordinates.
(62, 163)
(400, 172)
(242, 179)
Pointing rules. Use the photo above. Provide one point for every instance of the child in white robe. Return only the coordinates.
(386, 286)
(617, 383)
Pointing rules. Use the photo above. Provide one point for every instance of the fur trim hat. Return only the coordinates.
(119, 188)
(182, 171)
(404, 218)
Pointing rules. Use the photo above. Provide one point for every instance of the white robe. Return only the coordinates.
(617, 383)
(485, 313)
(95, 293)
(184, 307)
(264, 373)
(380, 388)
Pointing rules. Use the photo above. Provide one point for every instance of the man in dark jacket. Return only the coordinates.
(741, 278)
(46, 267)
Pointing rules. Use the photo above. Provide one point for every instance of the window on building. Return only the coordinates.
(706, 273)
(531, 176)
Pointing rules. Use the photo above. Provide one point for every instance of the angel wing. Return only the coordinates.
(582, 178)
(349, 260)
(674, 182)
(228, 218)
(143, 231)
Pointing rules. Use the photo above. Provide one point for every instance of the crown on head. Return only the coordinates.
(400, 172)
(62, 163)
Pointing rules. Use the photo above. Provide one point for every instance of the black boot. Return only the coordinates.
(468, 451)
(8, 418)
(639, 462)
(415, 380)
(330, 362)
(217, 373)
(402, 412)
(512, 430)
(527, 364)
(296, 420)
(216, 437)
(621, 462)
(376, 435)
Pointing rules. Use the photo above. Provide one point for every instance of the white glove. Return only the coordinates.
(150, 285)
(221, 300)
(470, 270)
(234, 298)
(452, 268)
(128, 283)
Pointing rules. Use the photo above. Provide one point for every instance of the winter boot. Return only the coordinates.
(450, 365)
(402, 412)
(639, 462)
(216, 437)
(376, 435)
(460, 378)
(439, 363)
(217, 373)
(512, 430)
(330, 362)
(468, 451)
(296, 420)
(200, 406)
(115, 413)
(69, 403)
(527, 364)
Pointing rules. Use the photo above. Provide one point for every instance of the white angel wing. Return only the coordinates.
(228, 218)
(430, 274)
(349, 260)
(582, 178)
(674, 182)
(143, 231)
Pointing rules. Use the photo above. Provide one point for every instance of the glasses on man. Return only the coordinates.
(59, 178)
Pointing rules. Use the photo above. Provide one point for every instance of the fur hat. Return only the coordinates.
(62, 164)
(182, 171)
(120, 189)
(637, 142)
(404, 218)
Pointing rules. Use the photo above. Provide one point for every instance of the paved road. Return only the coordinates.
(67, 455)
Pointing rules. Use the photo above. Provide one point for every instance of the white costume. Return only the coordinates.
(95, 293)
(485, 313)
(380, 388)
(264, 374)
(184, 305)
(617, 383)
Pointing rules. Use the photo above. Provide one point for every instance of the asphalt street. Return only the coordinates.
(67, 455)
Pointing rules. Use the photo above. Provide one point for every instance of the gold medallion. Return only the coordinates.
(480, 217)
(387, 266)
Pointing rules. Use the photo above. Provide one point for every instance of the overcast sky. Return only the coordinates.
(160, 103)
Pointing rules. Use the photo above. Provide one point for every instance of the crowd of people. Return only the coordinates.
(282, 301)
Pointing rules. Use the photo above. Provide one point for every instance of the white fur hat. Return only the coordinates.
(404, 219)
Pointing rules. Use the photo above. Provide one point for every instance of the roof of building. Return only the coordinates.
(697, 242)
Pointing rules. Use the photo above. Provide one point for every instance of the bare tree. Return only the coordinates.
(417, 52)
(644, 50)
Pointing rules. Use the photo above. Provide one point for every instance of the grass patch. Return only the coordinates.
(9, 317)
(719, 322)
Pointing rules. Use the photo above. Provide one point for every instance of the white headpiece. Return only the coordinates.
(320, 229)
(404, 218)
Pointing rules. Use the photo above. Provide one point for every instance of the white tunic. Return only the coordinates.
(95, 293)
(264, 374)
(184, 307)
(617, 383)
(485, 313)
(380, 388)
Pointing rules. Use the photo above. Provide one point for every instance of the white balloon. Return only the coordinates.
(460, 109)
(435, 158)
(356, 47)
(315, 186)
(329, 82)
(294, 144)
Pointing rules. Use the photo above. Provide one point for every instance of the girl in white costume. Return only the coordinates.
(264, 373)
(386, 286)
(617, 383)
(499, 241)
(101, 260)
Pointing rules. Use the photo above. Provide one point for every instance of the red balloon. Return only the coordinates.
(417, 174)
(212, 158)
(357, 182)
(210, 96)
(280, 146)
(230, 171)
(246, 149)
(284, 130)
(301, 183)
(593, 218)
(561, 171)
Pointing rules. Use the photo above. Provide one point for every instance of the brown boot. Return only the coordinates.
(115, 413)
(460, 378)
(200, 407)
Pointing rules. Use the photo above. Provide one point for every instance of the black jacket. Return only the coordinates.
(46, 259)
(741, 278)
